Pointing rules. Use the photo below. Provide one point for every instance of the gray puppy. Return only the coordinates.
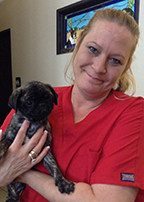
(33, 102)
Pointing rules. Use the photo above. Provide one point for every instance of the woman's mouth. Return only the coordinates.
(94, 77)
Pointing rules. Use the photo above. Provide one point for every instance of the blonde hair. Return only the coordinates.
(126, 81)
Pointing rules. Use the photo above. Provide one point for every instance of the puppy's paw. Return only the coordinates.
(65, 186)
(12, 200)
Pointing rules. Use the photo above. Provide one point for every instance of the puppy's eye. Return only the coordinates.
(29, 102)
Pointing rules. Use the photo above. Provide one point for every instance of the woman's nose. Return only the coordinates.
(99, 65)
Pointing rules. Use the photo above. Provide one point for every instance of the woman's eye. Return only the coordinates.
(93, 49)
(115, 61)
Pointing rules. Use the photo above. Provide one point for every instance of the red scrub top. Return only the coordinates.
(106, 147)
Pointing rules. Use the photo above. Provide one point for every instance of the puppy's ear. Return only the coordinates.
(55, 96)
(13, 99)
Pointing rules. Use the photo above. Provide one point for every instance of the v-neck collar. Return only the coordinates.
(68, 113)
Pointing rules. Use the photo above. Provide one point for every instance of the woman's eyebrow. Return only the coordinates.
(98, 46)
(119, 55)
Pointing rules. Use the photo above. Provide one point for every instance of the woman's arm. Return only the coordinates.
(45, 185)
(17, 160)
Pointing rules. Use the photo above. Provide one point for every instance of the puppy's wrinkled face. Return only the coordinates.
(35, 101)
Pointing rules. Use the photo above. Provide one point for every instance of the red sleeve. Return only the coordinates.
(7, 120)
(122, 160)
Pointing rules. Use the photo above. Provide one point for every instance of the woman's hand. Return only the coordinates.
(17, 159)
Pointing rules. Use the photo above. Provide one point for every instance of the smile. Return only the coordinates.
(94, 77)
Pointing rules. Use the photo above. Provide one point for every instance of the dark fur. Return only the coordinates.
(33, 102)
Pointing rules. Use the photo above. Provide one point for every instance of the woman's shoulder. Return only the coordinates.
(127, 105)
(120, 96)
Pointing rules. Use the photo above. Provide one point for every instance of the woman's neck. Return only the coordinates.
(83, 104)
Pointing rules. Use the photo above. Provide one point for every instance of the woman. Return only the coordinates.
(98, 136)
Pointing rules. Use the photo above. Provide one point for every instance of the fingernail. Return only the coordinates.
(46, 132)
(26, 122)
(48, 147)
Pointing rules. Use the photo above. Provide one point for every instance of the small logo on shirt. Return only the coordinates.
(127, 177)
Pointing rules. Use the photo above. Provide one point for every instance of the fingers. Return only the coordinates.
(38, 139)
(41, 155)
(19, 139)
(41, 142)
(17, 159)
(36, 154)
(0, 134)
(36, 143)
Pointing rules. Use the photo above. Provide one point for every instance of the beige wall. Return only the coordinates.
(33, 32)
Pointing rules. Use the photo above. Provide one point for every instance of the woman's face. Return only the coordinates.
(102, 57)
